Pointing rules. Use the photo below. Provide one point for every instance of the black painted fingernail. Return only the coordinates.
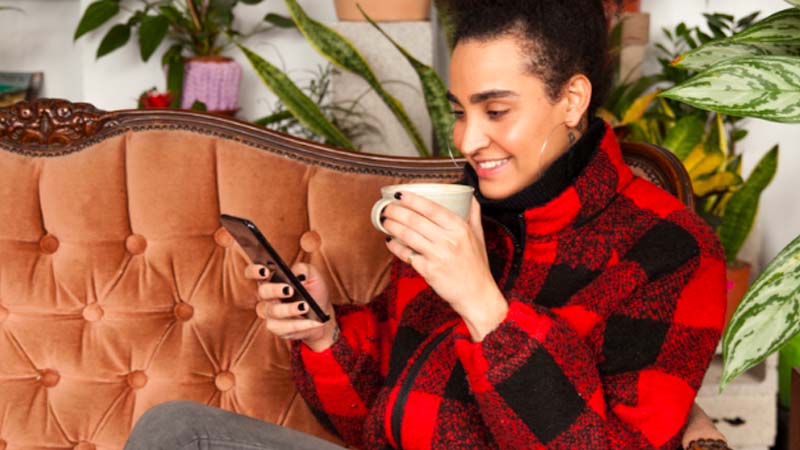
(301, 277)
(388, 239)
(383, 218)
(262, 271)
(301, 306)
(398, 195)
(286, 290)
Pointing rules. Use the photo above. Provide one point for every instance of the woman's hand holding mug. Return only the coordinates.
(286, 320)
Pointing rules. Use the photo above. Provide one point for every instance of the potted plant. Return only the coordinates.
(706, 143)
(198, 30)
(383, 10)
(341, 53)
(766, 52)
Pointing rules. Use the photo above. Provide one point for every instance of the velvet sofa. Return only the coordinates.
(119, 290)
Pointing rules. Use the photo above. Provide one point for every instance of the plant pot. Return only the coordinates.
(213, 80)
(738, 273)
(384, 10)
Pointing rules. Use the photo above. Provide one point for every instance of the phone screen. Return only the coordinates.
(259, 250)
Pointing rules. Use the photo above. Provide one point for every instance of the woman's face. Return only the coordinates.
(503, 116)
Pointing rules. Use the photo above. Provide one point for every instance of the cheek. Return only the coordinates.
(458, 133)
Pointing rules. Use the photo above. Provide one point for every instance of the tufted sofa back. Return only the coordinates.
(118, 288)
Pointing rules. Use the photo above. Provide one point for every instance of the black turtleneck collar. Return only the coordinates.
(557, 178)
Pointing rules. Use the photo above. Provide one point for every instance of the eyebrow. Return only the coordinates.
(481, 97)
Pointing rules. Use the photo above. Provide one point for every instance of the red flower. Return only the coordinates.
(154, 99)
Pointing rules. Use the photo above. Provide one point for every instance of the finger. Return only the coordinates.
(256, 272)
(293, 327)
(429, 209)
(406, 254)
(409, 236)
(409, 218)
(278, 310)
(303, 271)
(275, 290)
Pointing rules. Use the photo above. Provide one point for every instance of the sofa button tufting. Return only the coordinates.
(183, 311)
(310, 241)
(223, 238)
(48, 244)
(135, 244)
(83, 445)
(224, 381)
(49, 378)
(137, 379)
(261, 309)
(93, 312)
(3, 317)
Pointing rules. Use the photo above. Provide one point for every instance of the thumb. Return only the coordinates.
(475, 219)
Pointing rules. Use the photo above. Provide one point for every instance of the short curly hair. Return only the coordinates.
(562, 37)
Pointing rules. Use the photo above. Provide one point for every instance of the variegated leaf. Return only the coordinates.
(767, 87)
(638, 108)
(778, 34)
(684, 136)
(767, 317)
(718, 182)
(794, 2)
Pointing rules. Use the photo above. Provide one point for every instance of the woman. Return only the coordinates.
(578, 307)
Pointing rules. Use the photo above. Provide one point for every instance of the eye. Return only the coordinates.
(457, 115)
(496, 114)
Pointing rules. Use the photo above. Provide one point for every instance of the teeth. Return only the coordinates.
(492, 164)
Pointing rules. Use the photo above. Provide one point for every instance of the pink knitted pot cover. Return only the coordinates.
(215, 83)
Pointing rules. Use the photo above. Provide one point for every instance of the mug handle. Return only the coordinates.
(377, 210)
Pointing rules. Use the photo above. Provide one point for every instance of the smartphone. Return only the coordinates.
(259, 250)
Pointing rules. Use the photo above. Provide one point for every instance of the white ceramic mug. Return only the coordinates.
(455, 197)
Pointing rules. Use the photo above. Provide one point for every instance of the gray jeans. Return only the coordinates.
(184, 425)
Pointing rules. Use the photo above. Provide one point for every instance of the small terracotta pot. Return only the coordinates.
(384, 10)
(738, 282)
(213, 80)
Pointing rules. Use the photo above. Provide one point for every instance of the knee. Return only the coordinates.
(163, 423)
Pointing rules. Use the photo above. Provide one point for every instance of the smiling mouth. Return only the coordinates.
(487, 165)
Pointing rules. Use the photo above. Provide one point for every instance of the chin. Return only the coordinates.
(495, 191)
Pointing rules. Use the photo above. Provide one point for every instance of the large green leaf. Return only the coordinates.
(173, 60)
(300, 105)
(116, 37)
(685, 136)
(767, 317)
(342, 53)
(95, 15)
(777, 35)
(433, 88)
(152, 32)
(741, 209)
(794, 2)
(767, 87)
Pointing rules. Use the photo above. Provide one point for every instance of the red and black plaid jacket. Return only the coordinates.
(616, 303)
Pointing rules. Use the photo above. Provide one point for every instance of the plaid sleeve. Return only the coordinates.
(623, 377)
(341, 383)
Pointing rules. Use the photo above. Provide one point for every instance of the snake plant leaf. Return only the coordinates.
(701, 162)
(433, 88)
(767, 317)
(715, 182)
(96, 15)
(741, 210)
(767, 87)
(794, 2)
(300, 105)
(341, 52)
(778, 34)
(687, 133)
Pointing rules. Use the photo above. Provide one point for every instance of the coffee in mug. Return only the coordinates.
(455, 197)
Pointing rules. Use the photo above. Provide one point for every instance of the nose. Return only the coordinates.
(473, 137)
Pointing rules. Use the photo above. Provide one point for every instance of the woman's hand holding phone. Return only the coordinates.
(286, 320)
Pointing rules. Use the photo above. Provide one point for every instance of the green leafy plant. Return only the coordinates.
(759, 76)
(342, 53)
(193, 27)
(348, 116)
(704, 141)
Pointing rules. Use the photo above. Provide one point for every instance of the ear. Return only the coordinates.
(577, 95)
